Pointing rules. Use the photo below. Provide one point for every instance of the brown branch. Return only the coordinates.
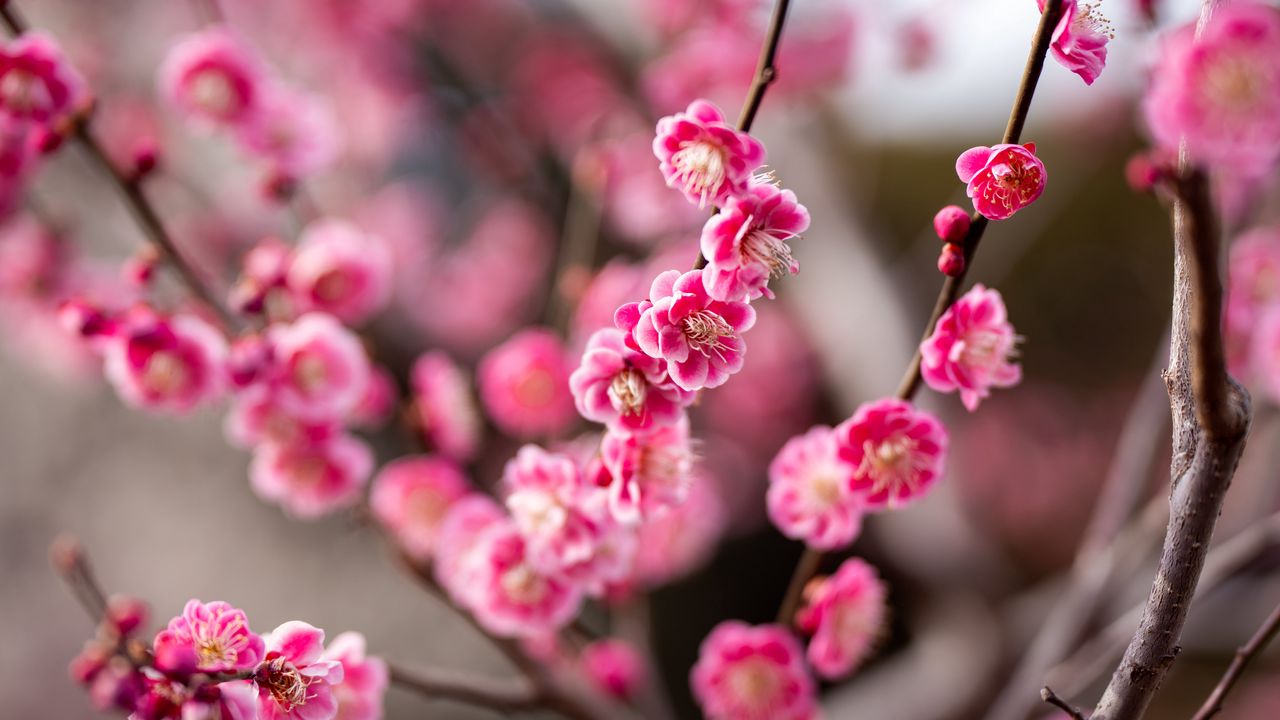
(69, 560)
(1261, 638)
(446, 685)
(1048, 695)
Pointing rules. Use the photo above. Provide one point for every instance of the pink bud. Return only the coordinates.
(1142, 172)
(140, 269)
(951, 261)
(146, 157)
(952, 224)
(176, 659)
(125, 615)
(86, 666)
(278, 187)
(614, 667)
(46, 140)
(117, 685)
(85, 320)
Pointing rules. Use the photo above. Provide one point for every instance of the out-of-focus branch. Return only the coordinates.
(1213, 705)
(1048, 695)
(72, 565)
(446, 685)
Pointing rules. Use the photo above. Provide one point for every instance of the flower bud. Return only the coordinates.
(146, 158)
(116, 686)
(125, 615)
(86, 666)
(952, 224)
(951, 261)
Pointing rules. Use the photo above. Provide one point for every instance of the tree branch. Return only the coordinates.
(1048, 695)
(1261, 638)
(445, 685)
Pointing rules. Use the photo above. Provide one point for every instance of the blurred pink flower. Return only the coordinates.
(297, 133)
(37, 82)
(311, 479)
(296, 682)
(219, 635)
(845, 614)
(623, 388)
(636, 200)
(547, 498)
(524, 385)
(339, 269)
(753, 673)
(459, 552)
(445, 407)
(364, 678)
(810, 496)
(379, 400)
(971, 348)
(512, 598)
(615, 284)
(1080, 39)
(614, 667)
(679, 541)
(165, 364)
(746, 242)
(1002, 179)
(411, 496)
(212, 77)
(648, 473)
(897, 451)
(1253, 287)
(703, 156)
(1265, 355)
(321, 369)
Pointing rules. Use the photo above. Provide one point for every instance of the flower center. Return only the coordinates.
(892, 464)
(427, 507)
(287, 686)
(535, 388)
(332, 286)
(754, 683)
(23, 91)
(211, 91)
(1014, 181)
(704, 331)
(1238, 85)
(1089, 20)
(165, 373)
(523, 585)
(310, 372)
(825, 486)
(700, 167)
(627, 391)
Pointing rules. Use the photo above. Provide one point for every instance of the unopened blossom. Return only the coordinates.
(682, 539)
(410, 498)
(218, 633)
(459, 557)
(615, 667)
(37, 83)
(746, 242)
(364, 678)
(213, 77)
(705, 157)
(321, 367)
(700, 338)
(971, 348)
(1080, 39)
(446, 409)
(524, 385)
(170, 364)
(512, 597)
(845, 614)
(1002, 179)
(753, 673)
(339, 269)
(546, 495)
(810, 493)
(624, 388)
(648, 473)
(312, 479)
(297, 133)
(897, 452)
(296, 681)
(1220, 92)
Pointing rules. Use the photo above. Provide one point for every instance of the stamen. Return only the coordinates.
(704, 329)
(701, 169)
(627, 391)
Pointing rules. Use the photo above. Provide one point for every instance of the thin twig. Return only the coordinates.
(72, 565)
(1048, 695)
(446, 685)
(1261, 638)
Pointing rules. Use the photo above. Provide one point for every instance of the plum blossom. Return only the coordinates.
(624, 388)
(364, 678)
(1221, 92)
(311, 479)
(1253, 286)
(1080, 39)
(211, 76)
(615, 667)
(296, 132)
(547, 497)
(753, 673)
(700, 338)
(1265, 352)
(1002, 179)
(746, 242)
(647, 473)
(446, 410)
(845, 614)
(896, 450)
(321, 369)
(218, 634)
(703, 156)
(459, 559)
(511, 597)
(340, 270)
(257, 417)
(410, 498)
(810, 497)
(296, 682)
(524, 384)
(681, 540)
(971, 348)
(37, 83)
(169, 364)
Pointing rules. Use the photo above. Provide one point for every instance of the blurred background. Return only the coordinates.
(502, 148)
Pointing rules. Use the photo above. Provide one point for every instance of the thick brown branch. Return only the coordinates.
(1213, 705)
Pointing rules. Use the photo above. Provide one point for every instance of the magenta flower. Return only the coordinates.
(700, 338)
(524, 385)
(547, 497)
(218, 634)
(1221, 92)
(410, 498)
(615, 667)
(1264, 357)
(896, 450)
(321, 367)
(746, 242)
(1002, 179)
(845, 614)
(311, 479)
(37, 83)
(168, 364)
(459, 559)
(703, 156)
(340, 270)
(1080, 39)
(445, 407)
(753, 673)
(624, 388)
(971, 348)
(296, 132)
(296, 682)
(810, 497)
(211, 76)
(512, 598)
(364, 678)
(647, 473)
(257, 417)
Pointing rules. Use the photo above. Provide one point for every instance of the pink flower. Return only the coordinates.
(171, 364)
(296, 132)
(218, 634)
(971, 347)
(524, 385)
(845, 614)
(340, 270)
(648, 473)
(364, 678)
(37, 83)
(166, 699)
(897, 452)
(1221, 92)
(379, 399)
(746, 242)
(1080, 40)
(623, 388)
(512, 598)
(1265, 352)
(753, 673)
(810, 497)
(546, 495)
(411, 496)
(615, 667)
(296, 682)
(699, 337)
(311, 479)
(1002, 179)
(211, 76)
(459, 559)
(257, 417)
(703, 156)
(446, 409)
(681, 540)
(321, 367)
(1253, 286)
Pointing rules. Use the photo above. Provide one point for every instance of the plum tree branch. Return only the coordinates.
(1261, 638)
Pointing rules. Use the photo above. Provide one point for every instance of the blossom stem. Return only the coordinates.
(1261, 638)
(72, 565)
(1048, 695)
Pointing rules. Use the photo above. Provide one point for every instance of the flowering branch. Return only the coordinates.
(1261, 638)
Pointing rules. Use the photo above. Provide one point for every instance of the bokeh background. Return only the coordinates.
(515, 133)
